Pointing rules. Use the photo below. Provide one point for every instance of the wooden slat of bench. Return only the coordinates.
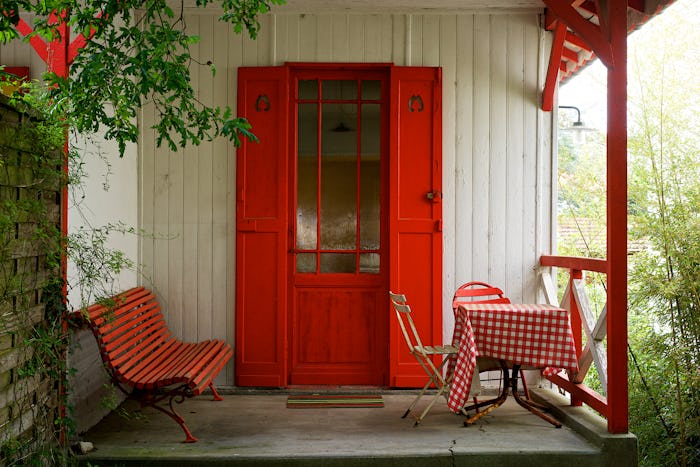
(122, 302)
(204, 359)
(119, 298)
(172, 371)
(157, 372)
(114, 320)
(136, 370)
(126, 317)
(189, 369)
(138, 344)
(202, 368)
(136, 339)
(215, 366)
(185, 366)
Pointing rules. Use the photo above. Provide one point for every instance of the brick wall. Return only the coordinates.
(29, 222)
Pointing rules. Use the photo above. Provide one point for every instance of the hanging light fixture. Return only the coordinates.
(578, 123)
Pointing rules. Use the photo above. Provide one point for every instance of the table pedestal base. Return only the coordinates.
(510, 382)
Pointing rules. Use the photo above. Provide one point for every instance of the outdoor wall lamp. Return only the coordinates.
(578, 123)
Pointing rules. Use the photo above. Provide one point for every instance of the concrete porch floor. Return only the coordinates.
(256, 428)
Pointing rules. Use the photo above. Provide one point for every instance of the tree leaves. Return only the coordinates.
(137, 53)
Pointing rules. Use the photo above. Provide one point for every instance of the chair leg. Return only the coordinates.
(440, 392)
(526, 391)
(489, 404)
(529, 404)
(415, 401)
(441, 385)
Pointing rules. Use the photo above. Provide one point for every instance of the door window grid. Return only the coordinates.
(341, 182)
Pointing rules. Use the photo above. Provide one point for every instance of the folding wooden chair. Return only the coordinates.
(424, 354)
(481, 292)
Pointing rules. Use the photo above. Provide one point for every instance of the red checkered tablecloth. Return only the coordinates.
(529, 335)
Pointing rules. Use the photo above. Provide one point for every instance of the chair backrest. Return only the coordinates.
(408, 327)
(478, 292)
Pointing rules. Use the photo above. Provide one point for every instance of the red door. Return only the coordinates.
(338, 269)
(339, 200)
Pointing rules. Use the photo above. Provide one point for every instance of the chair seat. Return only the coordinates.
(438, 349)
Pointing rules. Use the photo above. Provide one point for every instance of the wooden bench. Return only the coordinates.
(143, 358)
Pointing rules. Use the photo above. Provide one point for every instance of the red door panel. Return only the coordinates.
(261, 229)
(326, 348)
(415, 211)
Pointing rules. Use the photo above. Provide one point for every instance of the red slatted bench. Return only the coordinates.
(141, 354)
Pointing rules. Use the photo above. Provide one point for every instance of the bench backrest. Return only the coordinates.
(128, 328)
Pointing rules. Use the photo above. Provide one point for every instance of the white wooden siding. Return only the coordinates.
(497, 165)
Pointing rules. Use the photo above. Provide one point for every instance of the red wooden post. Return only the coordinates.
(617, 219)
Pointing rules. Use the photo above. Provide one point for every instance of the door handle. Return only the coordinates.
(434, 196)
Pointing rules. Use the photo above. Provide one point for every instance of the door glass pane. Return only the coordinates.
(338, 179)
(369, 263)
(306, 262)
(337, 262)
(339, 89)
(371, 90)
(308, 89)
(369, 179)
(307, 180)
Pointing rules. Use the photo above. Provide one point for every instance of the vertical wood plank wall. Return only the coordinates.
(497, 160)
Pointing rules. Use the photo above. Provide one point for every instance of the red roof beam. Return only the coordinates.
(573, 39)
(637, 5)
(570, 55)
(589, 7)
(550, 19)
(603, 20)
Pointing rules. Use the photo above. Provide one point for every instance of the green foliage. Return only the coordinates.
(665, 279)
(30, 282)
(138, 53)
(664, 234)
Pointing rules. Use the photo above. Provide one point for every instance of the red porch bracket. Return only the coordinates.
(550, 84)
(590, 33)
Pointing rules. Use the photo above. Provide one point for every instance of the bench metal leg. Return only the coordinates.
(217, 397)
(149, 400)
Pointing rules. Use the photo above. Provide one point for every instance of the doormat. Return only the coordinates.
(334, 401)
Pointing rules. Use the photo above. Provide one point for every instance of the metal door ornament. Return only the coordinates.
(415, 103)
(262, 103)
